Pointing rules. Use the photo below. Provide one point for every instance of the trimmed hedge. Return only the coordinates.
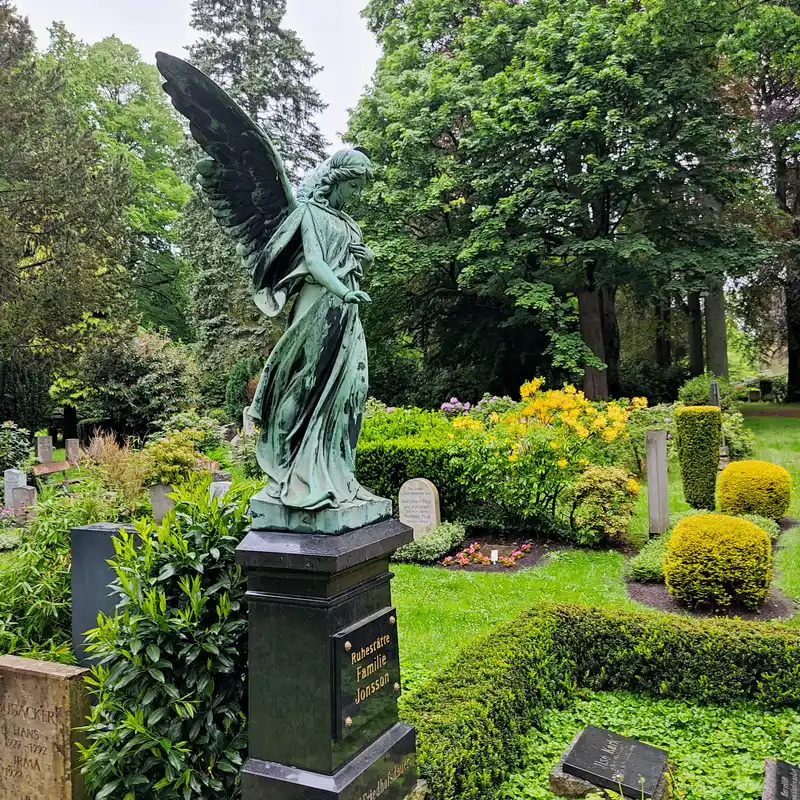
(756, 487)
(384, 467)
(473, 716)
(699, 434)
(433, 545)
(713, 560)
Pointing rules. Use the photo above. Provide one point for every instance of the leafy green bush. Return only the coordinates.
(388, 424)
(739, 439)
(647, 566)
(601, 505)
(714, 560)
(236, 391)
(244, 454)
(35, 587)
(699, 433)
(757, 487)
(171, 459)
(207, 428)
(169, 714)
(696, 391)
(15, 446)
(24, 396)
(435, 544)
(472, 718)
(641, 378)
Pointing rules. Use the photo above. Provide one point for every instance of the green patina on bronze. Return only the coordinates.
(310, 399)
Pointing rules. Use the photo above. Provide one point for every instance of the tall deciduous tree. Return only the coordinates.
(268, 71)
(575, 144)
(61, 214)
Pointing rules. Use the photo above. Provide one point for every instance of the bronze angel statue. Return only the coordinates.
(307, 249)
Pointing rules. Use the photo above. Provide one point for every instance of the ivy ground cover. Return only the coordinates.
(718, 752)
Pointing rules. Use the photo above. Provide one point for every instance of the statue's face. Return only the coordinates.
(351, 188)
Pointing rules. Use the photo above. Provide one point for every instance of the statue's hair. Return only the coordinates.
(345, 165)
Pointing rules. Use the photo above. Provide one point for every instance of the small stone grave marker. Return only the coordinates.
(781, 780)
(248, 424)
(12, 479)
(601, 758)
(72, 447)
(657, 482)
(419, 505)
(44, 449)
(494, 556)
(41, 704)
(23, 501)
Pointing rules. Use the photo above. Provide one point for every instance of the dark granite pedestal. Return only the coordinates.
(324, 667)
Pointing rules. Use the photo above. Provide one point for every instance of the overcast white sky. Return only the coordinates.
(331, 29)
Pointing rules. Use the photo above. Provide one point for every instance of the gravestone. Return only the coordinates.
(44, 449)
(781, 780)
(12, 479)
(41, 704)
(248, 424)
(91, 548)
(161, 501)
(23, 501)
(602, 759)
(73, 449)
(657, 482)
(219, 488)
(419, 505)
(714, 397)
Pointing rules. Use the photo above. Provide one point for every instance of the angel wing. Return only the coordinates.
(244, 178)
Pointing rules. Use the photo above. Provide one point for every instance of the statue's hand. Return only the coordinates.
(357, 297)
(362, 252)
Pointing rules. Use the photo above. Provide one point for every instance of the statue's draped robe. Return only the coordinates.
(311, 396)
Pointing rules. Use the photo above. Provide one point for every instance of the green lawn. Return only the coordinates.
(441, 610)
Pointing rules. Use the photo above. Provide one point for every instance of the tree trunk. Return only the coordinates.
(696, 358)
(611, 343)
(70, 422)
(716, 333)
(595, 381)
(663, 340)
(793, 332)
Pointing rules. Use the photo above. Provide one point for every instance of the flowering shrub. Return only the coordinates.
(527, 457)
(15, 446)
(473, 555)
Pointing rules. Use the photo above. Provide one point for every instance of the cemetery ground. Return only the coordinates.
(717, 752)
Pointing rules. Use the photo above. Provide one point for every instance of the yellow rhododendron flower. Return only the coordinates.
(513, 457)
(530, 388)
(633, 486)
(639, 402)
(562, 462)
(609, 434)
(554, 445)
(468, 423)
(599, 421)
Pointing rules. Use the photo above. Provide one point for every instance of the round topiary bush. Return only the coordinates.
(755, 487)
(713, 560)
(699, 434)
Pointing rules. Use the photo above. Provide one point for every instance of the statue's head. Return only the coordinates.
(338, 178)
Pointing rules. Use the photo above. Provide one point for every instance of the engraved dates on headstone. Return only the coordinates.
(367, 672)
(418, 502)
(41, 704)
(611, 761)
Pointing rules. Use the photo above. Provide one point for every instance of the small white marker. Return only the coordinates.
(495, 554)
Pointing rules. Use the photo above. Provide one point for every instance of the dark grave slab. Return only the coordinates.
(603, 759)
(367, 672)
(781, 780)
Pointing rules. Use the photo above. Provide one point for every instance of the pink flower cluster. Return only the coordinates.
(473, 555)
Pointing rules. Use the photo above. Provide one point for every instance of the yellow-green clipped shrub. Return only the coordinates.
(714, 561)
(755, 487)
(699, 434)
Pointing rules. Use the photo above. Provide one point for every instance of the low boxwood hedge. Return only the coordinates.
(472, 717)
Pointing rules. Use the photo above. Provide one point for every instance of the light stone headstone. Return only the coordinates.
(419, 505)
(73, 448)
(219, 488)
(41, 705)
(657, 482)
(44, 449)
(248, 424)
(23, 500)
(12, 479)
(161, 502)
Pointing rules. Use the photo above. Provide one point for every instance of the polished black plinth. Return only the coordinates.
(324, 667)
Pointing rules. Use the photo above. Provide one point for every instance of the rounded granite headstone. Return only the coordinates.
(419, 505)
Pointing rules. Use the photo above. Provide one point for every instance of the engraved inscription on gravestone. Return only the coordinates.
(418, 502)
(367, 672)
(44, 449)
(611, 761)
(41, 704)
(390, 778)
(781, 780)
